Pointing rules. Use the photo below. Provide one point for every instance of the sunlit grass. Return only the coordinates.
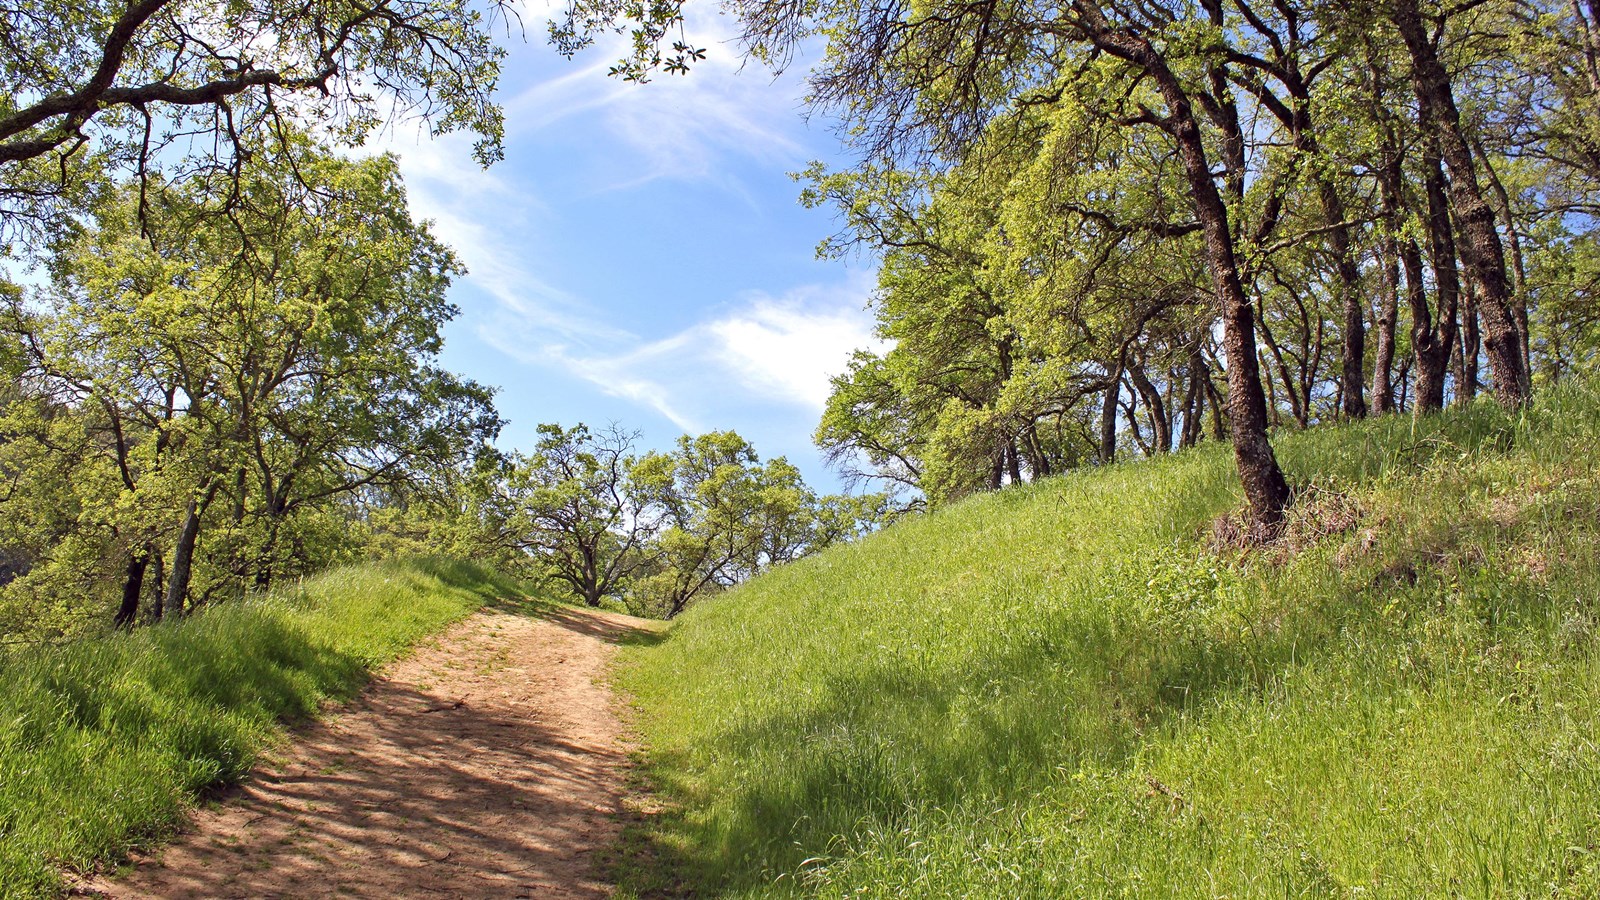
(1058, 691)
(104, 742)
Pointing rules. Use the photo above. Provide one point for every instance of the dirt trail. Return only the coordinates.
(490, 763)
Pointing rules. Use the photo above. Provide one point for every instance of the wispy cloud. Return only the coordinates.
(787, 347)
(477, 212)
(679, 127)
(765, 348)
(764, 351)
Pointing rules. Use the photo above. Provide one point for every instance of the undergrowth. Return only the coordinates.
(1071, 689)
(106, 741)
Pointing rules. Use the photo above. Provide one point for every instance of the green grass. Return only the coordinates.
(1059, 691)
(105, 742)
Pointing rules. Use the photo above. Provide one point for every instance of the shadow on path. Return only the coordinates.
(488, 765)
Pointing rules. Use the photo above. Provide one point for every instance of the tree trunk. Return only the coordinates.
(1519, 275)
(1217, 403)
(275, 512)
(1038, 458)
(183, 553)
(132, 588)
(1353, 353)
(158, 583)
(183, 559)
(1108, 416)
(1265, 489)
(1480, 247)
(1471, 344)
(1013, 461)
(1160, 424)
(1194, 398)
(1296, 407)
(1432, 342)
(1388, 318)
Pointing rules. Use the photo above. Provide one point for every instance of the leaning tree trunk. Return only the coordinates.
(1108, 414)
(183, 559)
(1265, 489)
(1388, 319)
(1354, 349)
(1481, 250)
(183, 552)
(132, 587)
(1160, 423)
(1433, 341)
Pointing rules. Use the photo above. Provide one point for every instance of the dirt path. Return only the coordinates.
(488, 764)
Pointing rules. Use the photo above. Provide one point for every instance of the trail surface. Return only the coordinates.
(490, 763)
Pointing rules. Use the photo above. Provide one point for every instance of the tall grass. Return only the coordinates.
(104, 742)
(1060, 691)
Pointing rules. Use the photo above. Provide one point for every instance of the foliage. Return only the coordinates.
(106, 741)
(1063, 690)
(657, 531)
(1271, 214)
(572, 506)
(721, 517)
(95, 91)
(242, 380)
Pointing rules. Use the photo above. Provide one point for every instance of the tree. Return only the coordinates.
(571, 505)
(937, 75)
(1480, 246)
(722, 516)
(104, 87)
(255, 371)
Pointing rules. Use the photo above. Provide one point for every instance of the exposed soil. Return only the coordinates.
(490, 763)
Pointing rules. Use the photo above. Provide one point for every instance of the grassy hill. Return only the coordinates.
(1064, 690)
(105, 741)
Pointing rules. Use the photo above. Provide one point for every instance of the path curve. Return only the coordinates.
(489, 763)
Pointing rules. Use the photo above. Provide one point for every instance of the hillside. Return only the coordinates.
(1065, 690)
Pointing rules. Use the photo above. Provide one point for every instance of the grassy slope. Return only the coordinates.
(1056, 691)
(104, 742)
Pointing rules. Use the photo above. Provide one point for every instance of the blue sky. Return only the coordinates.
(641, 256)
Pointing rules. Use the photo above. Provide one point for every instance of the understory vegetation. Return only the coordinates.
(1078, 688)
(105, 741)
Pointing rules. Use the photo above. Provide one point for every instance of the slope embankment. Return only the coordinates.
(1075, 689)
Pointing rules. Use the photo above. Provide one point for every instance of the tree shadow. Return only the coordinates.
(606, 626)
(883, 741)
(410, 793)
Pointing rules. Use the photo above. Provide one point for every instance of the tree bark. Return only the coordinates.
(1194, 399)
(1388, 318)
(1480, 247)
(132, 588)
(1471, 344)
(1432, 342)
(1108, 416)
(1519, 276)
(158, 582)
(1160, 424)
(1266, 490)
(183, 553)
(1353, 352)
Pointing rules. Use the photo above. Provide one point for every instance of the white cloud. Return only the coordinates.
(788, 347)
(476, 211)
(765, 351)
(760, 349)
(677, 127)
